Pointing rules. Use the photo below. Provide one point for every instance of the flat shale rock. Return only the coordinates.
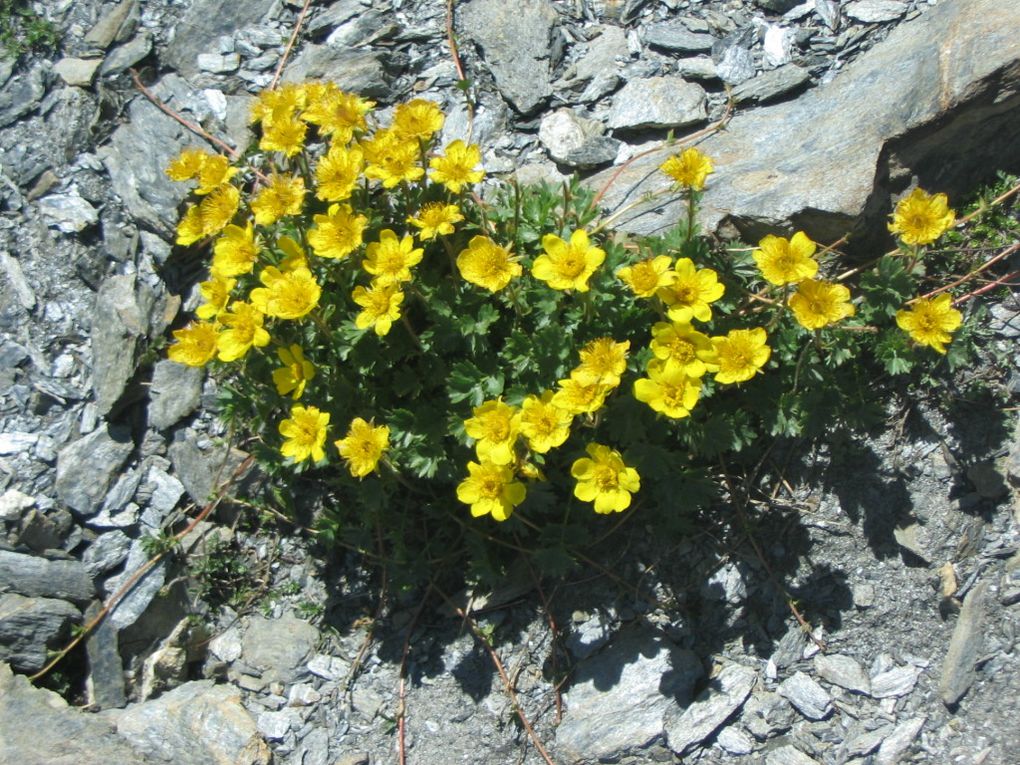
(939, 98)
(203, 23)
(31, 627)
(725, 694)
(86, 468)
(37, 577)
(657, 102)
(175, 392)
(519, 42)
(195, 724)
(366, 73)
(619, 696)
(964, 647)
(39, 728)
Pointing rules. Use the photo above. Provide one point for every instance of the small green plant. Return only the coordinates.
(223, 575)
(509, 353)
(23, 30)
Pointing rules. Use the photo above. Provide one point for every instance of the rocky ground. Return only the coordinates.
(900, 549)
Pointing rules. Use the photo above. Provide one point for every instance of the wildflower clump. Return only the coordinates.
(372, 316)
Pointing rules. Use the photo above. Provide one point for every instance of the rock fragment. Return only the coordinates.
(725, 694)
(809, 698)
(844, 671)
(86, 467)
(898, 741)
(30, 628)
(279, 647)
(964, 647)
(875, 11)
(37, 577)
(657, 102)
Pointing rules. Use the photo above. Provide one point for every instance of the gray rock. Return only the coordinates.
(788, 755)
(199, 467)
(335, 15)
(77, 71)
(673, 35)
(965, 647)
(174, 393)
(127, 55)
(201, 26)
(31, 627)
(895, 682)
(858, 745)
(781, 159)
(844, 671)
(13, 503)
(136, 157)
(276, 725)
(828, 12)
(726, 584)
(735, 741)
(641, 671)
(219, 63)
(17, 442)
(588, 636)
(86, 467)
(195, 724)
(68, 212)
(987, 480)
(314, 749)
(657, 102)
(601, 61)
(725, 694)
(16, 279)
(809, 698)
(131, 606)
(898, 741)
(108, 551)
(119, 324)
(367, 27)
(520, 43)
(364, 72)
(164, 490)
(20, 95)
(45, 578)
(735, 65)
(575, 141)
(105, 683)
(279, 647)
(875, 11)
(767, 714)
(696, 68)
(45, 530)
(40, 729)
(769, 86)
(114, 25)
(779, 6)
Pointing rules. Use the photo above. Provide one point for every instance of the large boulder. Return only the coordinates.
(938, 100)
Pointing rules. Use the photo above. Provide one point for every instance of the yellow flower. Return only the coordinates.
(543, 424)
(436, 219)
(189, 227)
(187, 164)
(455, 169)
(567, 266)
(647, 277)
(216, 294)
(491, 490)
(286, 295)
(218, 209)
(494, 427)
(603, 478)
(305, 434)
(293, 254)
(338, 233)
(786, 261)
(196, 344)
(294, 374)
(286, 99)
(602, 362)
(742, 354)
(390, 259)
(381, 307)
(243, 324)
(682, 347)
(236, 251)
(689, 168)
(817, 304)
(418, 119)
(283, 196)
(392, 159)
(338, 114)
(921, 218)
(215, 171)
(579, 398)
(487, 265)
(283, 132)
(689, 296)
(363, 446)
(337, 173)
(930, 322)
(668, 389)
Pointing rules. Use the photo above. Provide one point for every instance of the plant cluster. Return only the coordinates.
(365, 304)
(22, 29)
